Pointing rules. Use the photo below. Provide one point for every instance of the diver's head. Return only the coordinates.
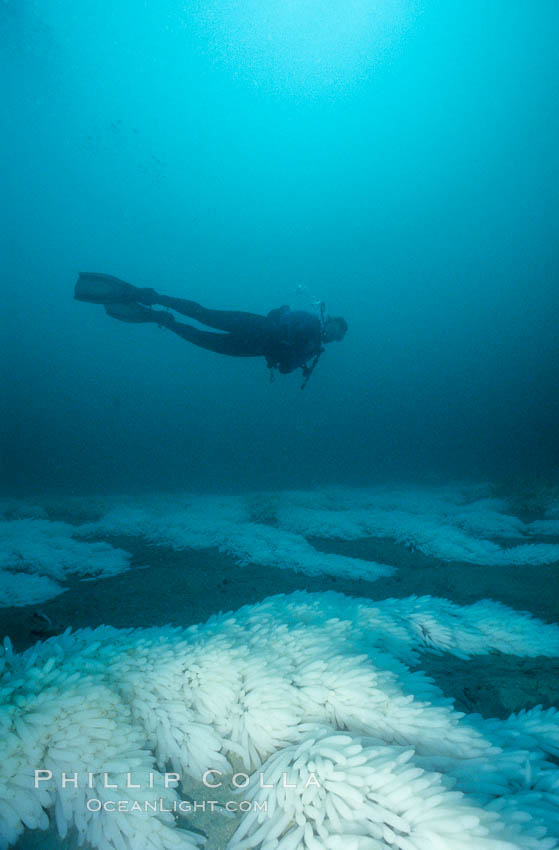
(334, 329)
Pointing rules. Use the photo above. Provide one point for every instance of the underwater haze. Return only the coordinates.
(395, 159)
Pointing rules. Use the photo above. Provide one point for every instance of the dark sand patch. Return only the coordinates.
(495, 685)
(525, 588)
(163, 586)
(187, 586)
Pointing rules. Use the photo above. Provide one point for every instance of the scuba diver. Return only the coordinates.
(288, 339)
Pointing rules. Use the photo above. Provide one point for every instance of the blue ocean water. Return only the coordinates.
(398, 159)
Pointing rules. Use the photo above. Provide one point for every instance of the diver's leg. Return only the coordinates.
(224, 343)
(233, 321)
(130, 311)
(249, 345)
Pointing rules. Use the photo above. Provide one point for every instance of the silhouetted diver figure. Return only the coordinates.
(288, 339)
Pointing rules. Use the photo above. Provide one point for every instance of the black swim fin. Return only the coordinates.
(129, 311)
(104, 289)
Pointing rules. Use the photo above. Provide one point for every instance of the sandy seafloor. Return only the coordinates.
(186, 587)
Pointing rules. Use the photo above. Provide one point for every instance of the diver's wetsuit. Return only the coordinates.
(288, 339)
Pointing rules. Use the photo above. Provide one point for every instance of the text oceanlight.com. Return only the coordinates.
(183, 807)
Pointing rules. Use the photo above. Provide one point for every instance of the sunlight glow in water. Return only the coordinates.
(295, 43)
